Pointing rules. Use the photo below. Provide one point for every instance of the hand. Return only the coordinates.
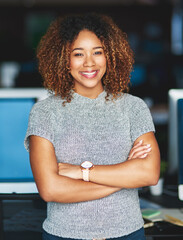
(139, 150)
(69, 170)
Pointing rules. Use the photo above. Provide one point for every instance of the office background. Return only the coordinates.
(154, 29)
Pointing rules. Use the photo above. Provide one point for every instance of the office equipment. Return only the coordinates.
(149, 213)
(174, 220)
(15, 172)
(167, 224)
(175, 161)
(180, 147)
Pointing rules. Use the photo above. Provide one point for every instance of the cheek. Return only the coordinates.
(72, 64)
(75, 64)
(103, 63)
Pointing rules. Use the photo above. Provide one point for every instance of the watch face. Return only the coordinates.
(87, 164)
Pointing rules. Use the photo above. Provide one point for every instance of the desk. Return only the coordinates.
(164, 200)
(162, 231)
(13, 197)
(165, 229)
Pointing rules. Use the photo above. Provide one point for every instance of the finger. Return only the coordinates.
(138, 144)
(143, 156)
(63, 164)
(135, 146)
(144, 149)
(138, 149)
(140, 153)
(60, 165)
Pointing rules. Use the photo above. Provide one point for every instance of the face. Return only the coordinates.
(87, 64)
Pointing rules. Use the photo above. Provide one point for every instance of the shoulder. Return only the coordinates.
(48, 103)
(131, 102)
(46, 107)
(131, 99)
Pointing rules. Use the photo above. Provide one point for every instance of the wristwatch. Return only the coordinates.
(86, 166)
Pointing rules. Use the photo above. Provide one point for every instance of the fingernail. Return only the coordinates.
(140, 141)
(148, 145)
(145, 155)
(149, 149)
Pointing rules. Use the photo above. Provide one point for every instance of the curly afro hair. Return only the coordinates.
(53, 54)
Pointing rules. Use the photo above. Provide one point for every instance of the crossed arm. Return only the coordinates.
(64, 183)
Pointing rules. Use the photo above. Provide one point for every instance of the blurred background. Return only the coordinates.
(154, 29)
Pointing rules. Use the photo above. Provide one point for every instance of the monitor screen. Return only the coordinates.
(173, 96)
(180, 144)
(13, 124)
(15, 171)
(175, 160)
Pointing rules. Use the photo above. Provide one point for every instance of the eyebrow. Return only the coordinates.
(83, 48)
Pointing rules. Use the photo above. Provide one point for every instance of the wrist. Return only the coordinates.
(86, 167)
(80, 173)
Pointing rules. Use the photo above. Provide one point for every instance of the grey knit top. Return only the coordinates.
(100, 131)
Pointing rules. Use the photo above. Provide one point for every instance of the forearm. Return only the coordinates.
(138, 172)
(67, 190)
(140, 169)
(56, 188)
(130, 174)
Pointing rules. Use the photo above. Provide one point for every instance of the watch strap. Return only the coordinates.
(85, 174)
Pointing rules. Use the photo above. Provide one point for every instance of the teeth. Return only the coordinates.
(89, 73)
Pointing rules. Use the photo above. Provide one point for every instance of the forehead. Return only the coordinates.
(86, 39)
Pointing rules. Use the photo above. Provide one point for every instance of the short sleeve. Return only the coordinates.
(40, 123)
(141, 121)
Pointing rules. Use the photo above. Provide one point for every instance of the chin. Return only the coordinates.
(91, 86)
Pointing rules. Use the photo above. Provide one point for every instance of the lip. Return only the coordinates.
(89, 74)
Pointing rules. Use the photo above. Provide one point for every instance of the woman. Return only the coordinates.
(91, 144)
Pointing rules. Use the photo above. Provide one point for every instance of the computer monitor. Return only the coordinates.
(175, 160)
(180, 146)
(15, 171)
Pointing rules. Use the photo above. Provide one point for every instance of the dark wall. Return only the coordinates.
(148, 29)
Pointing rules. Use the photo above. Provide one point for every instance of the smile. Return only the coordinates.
(88, 74)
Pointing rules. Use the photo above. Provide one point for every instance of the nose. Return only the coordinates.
(89, 61)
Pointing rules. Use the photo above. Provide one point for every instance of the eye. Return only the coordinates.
(98, 53)
(78, 54)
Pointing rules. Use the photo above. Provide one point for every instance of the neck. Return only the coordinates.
(93, 93)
